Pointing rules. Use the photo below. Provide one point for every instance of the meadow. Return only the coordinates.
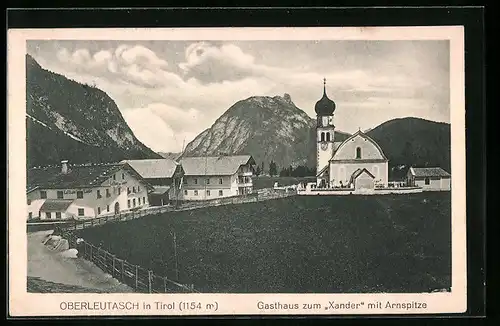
(300, 244)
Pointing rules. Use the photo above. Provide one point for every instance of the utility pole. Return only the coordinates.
(175, 257)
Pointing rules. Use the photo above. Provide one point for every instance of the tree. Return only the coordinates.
(273, 170)
(257, 170)
(262, 167)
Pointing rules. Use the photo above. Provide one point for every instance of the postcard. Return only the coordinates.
(236, 171)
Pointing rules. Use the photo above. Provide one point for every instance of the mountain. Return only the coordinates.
(78, 122)
(414, 141)
(268, 128)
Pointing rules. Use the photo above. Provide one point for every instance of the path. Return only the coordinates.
(59, 267)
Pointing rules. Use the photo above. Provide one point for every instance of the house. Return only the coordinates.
(84, 191)
(430, 179)
(165, 175)
(214, 177)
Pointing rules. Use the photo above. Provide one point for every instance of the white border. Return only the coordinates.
(22, 303)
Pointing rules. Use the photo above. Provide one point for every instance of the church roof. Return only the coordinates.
(429, 172)
(362, 134)
(324, 106)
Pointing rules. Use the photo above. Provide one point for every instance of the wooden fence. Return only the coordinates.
(262, 195)
(138, 278)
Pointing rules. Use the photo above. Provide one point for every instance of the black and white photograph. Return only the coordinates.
(243, 165)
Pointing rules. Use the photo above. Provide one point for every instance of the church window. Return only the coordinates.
(322, 136)
(358, 152)
(327, 136)
(427, 181)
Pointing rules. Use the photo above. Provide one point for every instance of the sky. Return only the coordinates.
(170, 91)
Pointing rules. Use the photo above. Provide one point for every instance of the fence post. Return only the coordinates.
(149, 280)
(92, 222)
(91, 253)
(136, 277)
(74, 225)
(122, 272)
(165, 284)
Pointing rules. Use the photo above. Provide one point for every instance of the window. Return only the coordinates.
(29, 201)
(119, 190)
(196, 192)
(128, 190)
(81, 211)
(195, 181)
(208, 181)
(427, 181)
(98, 210)
(133, 190)
(48, 215)
(327, 136)
(43, 194)
(358, 152)
(139, 200)
(220, 181)
(208, 192)
(221, 193)
(123, 176)
(107, 208)
(114, 176)
(185, 192)
(79, 194)
(144, 200)
(138, 189)
(58, 215)
(184, 181)
(30, 215)
(128, 203)
(98, 194)
(133, 202)
(322, 136)
(60, 195)
(108, 193)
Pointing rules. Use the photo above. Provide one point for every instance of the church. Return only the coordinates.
(357, 162)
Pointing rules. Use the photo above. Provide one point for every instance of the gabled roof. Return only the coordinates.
(78, 176)
(322, 170)
(429, 172)
(214, 165)
(358, 172)
(160, 190)
(336, 145)
(155, 168)
(56, 205)
(362, 134)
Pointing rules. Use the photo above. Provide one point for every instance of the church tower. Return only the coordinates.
(324, 137)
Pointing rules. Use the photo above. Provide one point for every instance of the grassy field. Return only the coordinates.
(300, 244)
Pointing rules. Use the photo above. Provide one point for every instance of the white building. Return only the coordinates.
(430, 179)
(165, 175)
(339, 164)
(215, 177)
(84, 191)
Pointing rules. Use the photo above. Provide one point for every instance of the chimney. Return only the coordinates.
(64, 166)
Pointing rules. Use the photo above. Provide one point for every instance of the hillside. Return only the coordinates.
(414, 141)
(268, 128)
(69, 120)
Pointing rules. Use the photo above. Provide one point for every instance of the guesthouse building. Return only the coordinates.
(165, 175)
(213, 177)
(84, 191)
(429, 178)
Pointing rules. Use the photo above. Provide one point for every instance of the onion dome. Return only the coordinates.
(324, 106)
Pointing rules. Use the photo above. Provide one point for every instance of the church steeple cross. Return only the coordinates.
(324, 85)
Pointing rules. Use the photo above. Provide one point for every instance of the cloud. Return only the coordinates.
(135, 64)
